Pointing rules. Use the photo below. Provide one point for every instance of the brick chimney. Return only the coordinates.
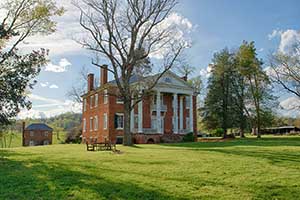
(103, 75)
(23, 132)
(90, 82)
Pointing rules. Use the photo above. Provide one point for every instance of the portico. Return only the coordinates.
(180, 110)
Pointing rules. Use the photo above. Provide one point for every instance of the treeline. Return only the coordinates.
(239, 92)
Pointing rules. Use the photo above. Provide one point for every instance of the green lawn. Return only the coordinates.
(268, 168)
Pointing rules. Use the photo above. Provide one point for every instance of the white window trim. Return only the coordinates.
(96, 123)
(84, 104)
(187, 102)
(120, 114)
(31, 133)
(105, 97)
(105, 120)
(96, 100)
(91, 101)
(91, 123)
(84, 125)
(119, 101)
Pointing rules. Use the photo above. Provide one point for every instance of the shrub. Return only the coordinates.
(188, 137)
(218, 132)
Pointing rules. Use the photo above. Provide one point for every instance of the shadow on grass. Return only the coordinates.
(35, 179)
(263, 142)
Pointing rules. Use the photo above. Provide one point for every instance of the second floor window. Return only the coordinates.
(96, 100)
(119, 121)
(91, 124)
(31, 133)
(96, 123)
(119, 100)
(91, 101)
(105, 121)
(105, 97)
(84, 125)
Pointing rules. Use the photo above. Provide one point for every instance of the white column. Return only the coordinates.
(191, 114)
(181, 114)
(175, 113)
(132, 118)
(140, 116)
(158, 112)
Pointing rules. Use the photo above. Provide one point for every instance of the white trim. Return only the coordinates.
(91, 101)
(120, 114)
(96, 123)
(105, 120)
(191, 114)
(96, 100)
(181, 113)
(175, 113)
(105, 97)
(91, 123)
(84, 125)
(118, 101)
(140, 116)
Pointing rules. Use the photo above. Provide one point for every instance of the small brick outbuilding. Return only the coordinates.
(37, 134)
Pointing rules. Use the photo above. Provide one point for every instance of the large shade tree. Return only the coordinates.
(126, 34)
(21, 19)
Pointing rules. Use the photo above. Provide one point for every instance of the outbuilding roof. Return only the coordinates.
(38, 126)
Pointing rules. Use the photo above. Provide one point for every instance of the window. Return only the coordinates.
(119, 120)
(187, 102)
(31, 133)
(119, 100)
(46, 133)
(84, 104)
(119, 140)
(31, 143)
(96, 123)
(187, 123)
(161, 99)
(136, 121)
(105, 98)
(105, 121)
(46, 142)
(96, 100)
(84, 125)
(91, 123)
(91, 101)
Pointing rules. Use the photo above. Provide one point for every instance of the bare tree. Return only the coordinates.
(79, 88)
(124, 34)
(285, 70)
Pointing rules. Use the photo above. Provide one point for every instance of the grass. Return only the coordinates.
(268, 168)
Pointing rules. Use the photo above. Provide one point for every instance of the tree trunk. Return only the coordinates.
(127, 134)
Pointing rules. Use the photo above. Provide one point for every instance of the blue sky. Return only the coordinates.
(217, 24)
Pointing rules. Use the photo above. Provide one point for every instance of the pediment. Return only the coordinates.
(172, 79)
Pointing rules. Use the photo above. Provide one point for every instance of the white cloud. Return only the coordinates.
(48, 107)
(275, 33)
(61, 67)
(290, 107)
(206, 72)
(44, 84)
(62, 41)
(53, 86)
(288, 39)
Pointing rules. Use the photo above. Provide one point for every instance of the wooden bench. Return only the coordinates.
(101, 146)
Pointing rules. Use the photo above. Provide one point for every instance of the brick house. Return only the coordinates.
(166, 115)
(37, 134)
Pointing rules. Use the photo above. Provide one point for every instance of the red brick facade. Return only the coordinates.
(95, 110)
(37, 138)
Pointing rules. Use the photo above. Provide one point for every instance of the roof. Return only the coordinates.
(134, 78)
(38, 126)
